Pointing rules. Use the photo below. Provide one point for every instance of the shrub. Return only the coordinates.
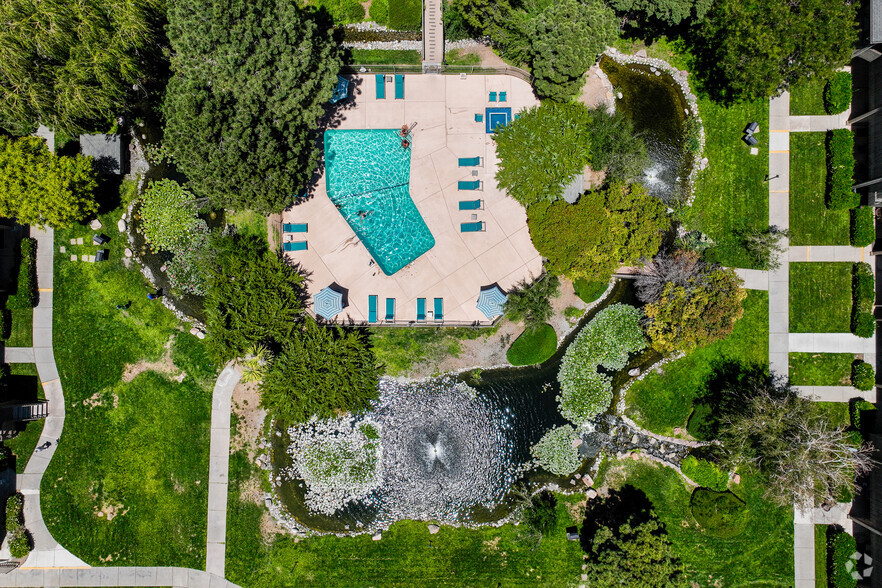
(855, 407)
(864, 325)
(405, 15)
(540, 514)
(5, 323)
(863, 227)
(355, 35)
(720, 514)
(837, 93)
(863, 292)
(26, 294)
(379, 11)
(840, 170)
(863, 377)
(573, 313)
(704, 473)
(14, 512)
(842, 546)
(19, 543)
(555, 451)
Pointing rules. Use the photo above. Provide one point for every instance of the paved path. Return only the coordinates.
(219, 467)
(110, 576)
(779, 215)
(835, 393)
(433, 33)
(753, 279)
(830, 253)
(800, 124)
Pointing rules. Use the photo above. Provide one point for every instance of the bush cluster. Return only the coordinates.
(5, 324)
(863, 377)
(863, 291)
(26, 295)
(855, 407)
(840, 170)
(842, 546)
(19, 541)
(837, 93)
(705, 473)
(863, 227)
(720, 514)
(355, 35)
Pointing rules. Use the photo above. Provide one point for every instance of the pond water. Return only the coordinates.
(657, 107)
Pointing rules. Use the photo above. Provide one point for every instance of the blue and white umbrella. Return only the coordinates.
(327, 302)
(491, 301)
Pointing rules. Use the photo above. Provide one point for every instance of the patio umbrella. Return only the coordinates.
(327, 303)
(491, 300)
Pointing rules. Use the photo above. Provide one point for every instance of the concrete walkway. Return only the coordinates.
(779, 215)
(219, 467)
(753, 279)
(433, 34)
(799, 124)
(109, 576)
(830, 253)
(835, 393)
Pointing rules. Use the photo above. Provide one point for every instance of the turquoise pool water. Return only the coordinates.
(366, 175)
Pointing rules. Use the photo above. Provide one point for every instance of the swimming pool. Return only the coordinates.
(366, 175)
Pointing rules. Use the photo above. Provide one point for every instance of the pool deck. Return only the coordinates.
(444, 109)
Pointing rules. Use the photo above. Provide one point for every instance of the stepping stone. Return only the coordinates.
(95, 225)
(80, 241)
(377, 537)
(62, 249)
(84, 258)
(754, 151)
(73, 257)
(73, 241)
(434, 529)
(91, 259)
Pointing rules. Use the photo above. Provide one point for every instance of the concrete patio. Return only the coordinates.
(459, 264)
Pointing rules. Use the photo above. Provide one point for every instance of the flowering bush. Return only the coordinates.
(556, 453)
(606, 341)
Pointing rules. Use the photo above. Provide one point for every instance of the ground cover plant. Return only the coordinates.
(16, 534)
(399, 350)
(533, 346)
(821, 369)
(663, 401)
(841, 546)
(556, 453)
(811, 221)
(720, 513)
(21, 334)
(705, 473)
(863, 321)
(26, 295)
(820, 297)
(405, 15)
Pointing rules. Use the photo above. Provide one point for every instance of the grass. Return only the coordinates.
(139, 447)
(386, 56)
(26, 383)
(405, 15)
(821, 369)
(811, 222)
(821, 556)
(248, 222)
(761, 556)
(533, 346)
(589, 291)
(400, 349)
(459, 57)
(820, 297)
(407, 556)
(661, 402)
(807, 98)
(22, 333)
(837, 413)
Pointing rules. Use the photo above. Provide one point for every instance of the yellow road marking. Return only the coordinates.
(44, 289)
(782, 151)
(780, 131)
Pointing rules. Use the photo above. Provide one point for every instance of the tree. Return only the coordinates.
(539, 511)
(602, 231)
(567, 36)
(669, 12)
(40, 188)
(71, 65)
(751, 50)
(251, 81)
(320, 371)
(616, 148)
(696, 314)
(678, 268)
(531, 303)
(765, 246)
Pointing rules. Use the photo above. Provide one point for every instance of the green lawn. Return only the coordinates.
(407, 556)
(807, 98)
(24, 378)
(811, 222)
(22, 334)
(661, 402)
(821, 369)
(761, 556)
(533, 346)
(589, 291)
(821, 556)
(820, 297)
(386, 56)
(399, 349)
(730, 195)
(138, 450)
(248, 222)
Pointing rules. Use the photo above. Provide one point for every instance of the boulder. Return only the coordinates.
(377, 537)
(434, 529)
(127, 252)
(591, 494)
(121, 225)
(634, 373)
(95, 225)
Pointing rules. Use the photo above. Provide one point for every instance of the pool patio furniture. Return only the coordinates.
(327, 302)
(296, 246)
(295, 228)
(372, 308)
(381, 86)
(491, 301)
(100, 239)
(503, 97)
(469, 161)
(468, 185)
(390, 309)
(479, 117)
(472, 227)
(492, 96)
(341, 90)
(399, 87)
(470, 204)
(439, 309)
(751, 128)
(102, 254)
(750, 140)
(421, 309)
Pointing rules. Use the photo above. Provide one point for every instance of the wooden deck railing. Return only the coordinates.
(445, 69)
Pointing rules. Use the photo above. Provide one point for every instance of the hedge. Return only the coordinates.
(405, 15)
(837, 93)
(863, 227)
(5, 323)
(863, 292)
(26, 294)
(704, 473)
(840, 170)
(863, 377)
(842, 546)
(855, 407)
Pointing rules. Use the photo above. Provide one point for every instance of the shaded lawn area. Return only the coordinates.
(761, 556)
(807, 98)
(399, 349)
(820, 297)
(22, 331)
(661, 402)
(533, 346)
(821, 369)
(248, 222)
(811, 222)
(407, 556)
(139, 448)
(23, 376)
(730, 195)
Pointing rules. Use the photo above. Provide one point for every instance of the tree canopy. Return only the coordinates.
(669, 12)
(251, 78)
(602, 231)
(40, 188)
(71, 65)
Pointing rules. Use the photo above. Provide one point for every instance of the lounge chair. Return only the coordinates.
(492, 96)
(469, 161)
(381, 86)
(751, 128)
(471, 227)
(390, 309)
(295, 228)
(470, 204)
(399, 87)
(750, 140)
(372, 308)
(479, 117)
(421, 309)
(439, 310)
(503, 97)
(468, 185)
(102, 254)
(296, 246)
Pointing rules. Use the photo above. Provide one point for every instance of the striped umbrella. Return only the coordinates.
(327, 302)
(491, 301)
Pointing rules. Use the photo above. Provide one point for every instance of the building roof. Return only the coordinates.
(107, 151)
(875, 21)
